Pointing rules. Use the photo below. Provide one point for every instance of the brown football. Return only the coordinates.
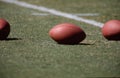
(111, 30)
(67, 33)
(4, 29)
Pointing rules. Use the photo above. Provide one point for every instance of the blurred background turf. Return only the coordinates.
(30, 52)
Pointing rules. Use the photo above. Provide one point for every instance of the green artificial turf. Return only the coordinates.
(29, 52)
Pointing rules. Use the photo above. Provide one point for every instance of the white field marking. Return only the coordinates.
(40, 14)
(79, 14)
(55, 12)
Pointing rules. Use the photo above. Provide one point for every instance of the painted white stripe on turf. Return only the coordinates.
(55, 12)
(79, 14)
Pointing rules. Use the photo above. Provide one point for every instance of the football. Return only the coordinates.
(4, 29)
(111, 30)
(67, 33)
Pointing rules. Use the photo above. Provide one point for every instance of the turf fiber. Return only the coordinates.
(30, 52)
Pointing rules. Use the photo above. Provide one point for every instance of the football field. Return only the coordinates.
(29, 52)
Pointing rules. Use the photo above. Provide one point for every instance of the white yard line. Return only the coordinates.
(78, 14)
(54, 12)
